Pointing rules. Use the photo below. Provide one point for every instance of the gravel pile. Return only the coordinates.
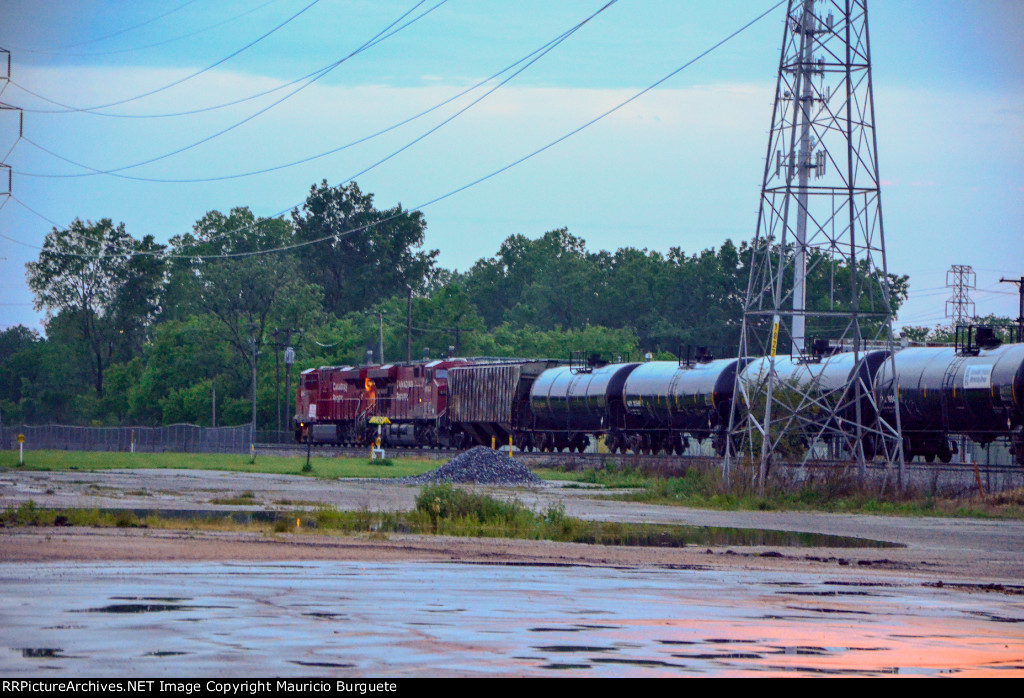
(481, 465)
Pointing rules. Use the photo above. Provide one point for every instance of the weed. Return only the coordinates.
(243, 499)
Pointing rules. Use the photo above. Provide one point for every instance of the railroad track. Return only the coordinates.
(584, 461)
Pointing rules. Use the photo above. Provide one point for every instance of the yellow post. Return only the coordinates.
(493, 442)
(509, 445)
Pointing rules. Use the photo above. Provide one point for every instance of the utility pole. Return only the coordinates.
(252, 329)
(289, 359)
(823, 128)
(960, 307)
(380, 320)
(408, 329)
(1020, 312)
(277, 382)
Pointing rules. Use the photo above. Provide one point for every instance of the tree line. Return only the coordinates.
(138, 332)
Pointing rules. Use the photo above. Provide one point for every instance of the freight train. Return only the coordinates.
(974, 389)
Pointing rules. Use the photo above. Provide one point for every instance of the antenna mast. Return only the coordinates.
(819, 229)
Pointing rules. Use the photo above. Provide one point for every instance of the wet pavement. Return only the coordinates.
(440, 619)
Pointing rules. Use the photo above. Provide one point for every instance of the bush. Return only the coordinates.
(444, 503)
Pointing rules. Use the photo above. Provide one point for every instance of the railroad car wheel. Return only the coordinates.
(676, 446)
(618, 444)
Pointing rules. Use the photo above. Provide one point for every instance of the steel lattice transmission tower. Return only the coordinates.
(820, 219)
(961, 278)
(5, 109)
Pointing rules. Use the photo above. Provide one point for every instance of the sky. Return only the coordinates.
(679, 167)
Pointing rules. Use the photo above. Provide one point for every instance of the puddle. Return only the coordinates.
(144, 608)
(636, 662)
(606, 622)
(574, 648)
(40, 652)
(334, 665)
(829, 610)
(826, 593)
(326, 615)
(997, 618)
(723, 655)
(816, 651)
(725, 641)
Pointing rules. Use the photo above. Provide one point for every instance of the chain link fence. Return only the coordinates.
(177, 438)
(267, 436)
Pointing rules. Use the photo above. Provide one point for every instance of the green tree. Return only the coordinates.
(231, 278)
(364, 255)
(108, 281)
(548, 282)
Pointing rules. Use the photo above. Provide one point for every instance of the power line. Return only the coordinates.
(453, 192)
(141, 47)
(112, 35)
(531, 57)
(380, 36)
(69, 108)
(186, 112)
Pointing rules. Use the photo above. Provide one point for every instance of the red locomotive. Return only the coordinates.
(339, 404)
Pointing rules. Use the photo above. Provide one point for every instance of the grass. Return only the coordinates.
(280, 465)
(699, 487)
(440, 510)
(244, 499)
(702, 488)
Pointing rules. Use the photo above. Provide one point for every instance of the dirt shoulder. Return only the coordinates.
(951, 550)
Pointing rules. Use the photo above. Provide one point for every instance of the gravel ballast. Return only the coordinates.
(481, 465)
